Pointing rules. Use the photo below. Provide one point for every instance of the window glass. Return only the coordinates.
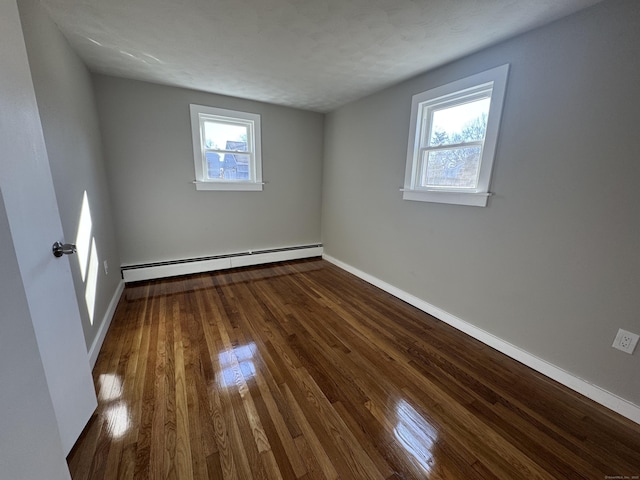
(452, 167)
(225, 136)
(461, 123)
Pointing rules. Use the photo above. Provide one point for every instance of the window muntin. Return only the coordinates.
(452, 140)
(226, 149)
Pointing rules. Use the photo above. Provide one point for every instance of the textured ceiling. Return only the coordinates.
(311, 54)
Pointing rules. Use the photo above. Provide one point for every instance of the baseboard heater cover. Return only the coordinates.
(172, 268)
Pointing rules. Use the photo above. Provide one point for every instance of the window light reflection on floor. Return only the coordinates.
(109, 387)
(236, 363)
(118, 421)
(416, 435)
(116, 414)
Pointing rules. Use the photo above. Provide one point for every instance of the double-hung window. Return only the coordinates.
(226, 149)
(452, 140)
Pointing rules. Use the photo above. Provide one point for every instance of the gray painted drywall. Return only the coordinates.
(66, 103)
(30, 445)
(552, 265)
(149, 159)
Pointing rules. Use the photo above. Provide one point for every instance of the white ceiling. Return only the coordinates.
(311, 54)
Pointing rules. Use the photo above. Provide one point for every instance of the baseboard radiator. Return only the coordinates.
(172, 268)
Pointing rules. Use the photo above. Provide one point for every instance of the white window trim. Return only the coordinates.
(199, 159)
(496, 78)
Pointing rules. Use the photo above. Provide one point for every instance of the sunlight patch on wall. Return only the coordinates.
(92, 281)
(83, 236)
(87, 256)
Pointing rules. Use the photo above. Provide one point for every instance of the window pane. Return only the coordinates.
(465, 122)
(456, 167)
(227, 166)
(225, 136)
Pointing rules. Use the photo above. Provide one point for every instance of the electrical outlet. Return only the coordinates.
(625, 341)
(106, 267)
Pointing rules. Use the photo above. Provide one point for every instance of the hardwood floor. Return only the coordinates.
(300, 370)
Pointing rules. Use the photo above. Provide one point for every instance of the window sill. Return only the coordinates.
(230, 186)
(453, 198)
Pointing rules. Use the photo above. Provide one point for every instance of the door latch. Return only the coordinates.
(60, 249)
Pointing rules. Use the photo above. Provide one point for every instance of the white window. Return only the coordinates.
(226, 149)
(452, 140)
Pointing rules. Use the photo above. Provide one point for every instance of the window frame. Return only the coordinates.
(202, 113)
(446, 96)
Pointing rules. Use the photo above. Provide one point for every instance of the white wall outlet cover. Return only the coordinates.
(625, 341)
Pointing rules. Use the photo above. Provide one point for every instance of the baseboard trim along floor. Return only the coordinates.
(104, 326)
(589, 390)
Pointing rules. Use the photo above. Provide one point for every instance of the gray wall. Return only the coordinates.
(552, 265)
(69, 118)
(149, 159)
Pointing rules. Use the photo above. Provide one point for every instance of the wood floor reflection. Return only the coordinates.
(300, 370)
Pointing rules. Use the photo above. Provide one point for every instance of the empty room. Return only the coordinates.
(319, 239)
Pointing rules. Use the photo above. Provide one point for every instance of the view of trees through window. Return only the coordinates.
(452, 156)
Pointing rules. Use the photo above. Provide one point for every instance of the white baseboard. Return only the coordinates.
(104, 326)
(589, 390)
(137, 273)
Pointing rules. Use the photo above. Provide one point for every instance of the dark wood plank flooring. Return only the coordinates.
(301, 371)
